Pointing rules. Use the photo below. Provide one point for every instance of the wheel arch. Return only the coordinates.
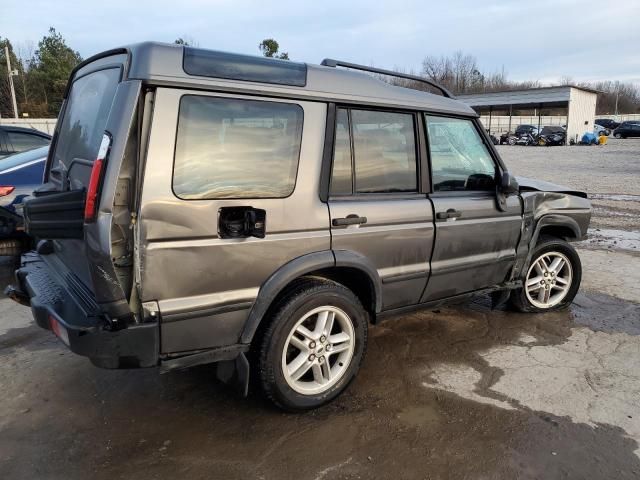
(345, 267)
(558, 225)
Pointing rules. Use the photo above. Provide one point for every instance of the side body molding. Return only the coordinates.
(297, 268)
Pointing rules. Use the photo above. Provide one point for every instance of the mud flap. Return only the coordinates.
(235, 373)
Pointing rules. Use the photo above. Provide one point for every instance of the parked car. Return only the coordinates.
(607, 123)
(18, 139)
(203, 207)
(20, 175)
(627, 129)
(552, 135)
(524, 129)
(599, 129)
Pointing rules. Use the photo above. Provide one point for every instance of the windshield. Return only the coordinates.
(23, 158)
(85, 116)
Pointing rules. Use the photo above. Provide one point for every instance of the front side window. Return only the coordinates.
(460, 160)
(233, 148)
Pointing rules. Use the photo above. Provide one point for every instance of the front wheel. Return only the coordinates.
(553, 277)
(313, 346)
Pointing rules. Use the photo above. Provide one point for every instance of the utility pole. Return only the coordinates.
(617, 95)
(13, 91)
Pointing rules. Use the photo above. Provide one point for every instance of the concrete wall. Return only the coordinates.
(582, 113)
(46, 125)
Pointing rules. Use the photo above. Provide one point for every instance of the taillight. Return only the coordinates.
(93, 190)
(6, 190)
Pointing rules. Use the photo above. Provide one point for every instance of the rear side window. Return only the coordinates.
(233, 148)
(85, 116)
(19, 141)
(384, 152)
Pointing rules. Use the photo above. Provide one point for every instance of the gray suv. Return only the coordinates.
(205, 207)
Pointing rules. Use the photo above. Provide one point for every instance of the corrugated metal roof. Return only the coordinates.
(533, 97)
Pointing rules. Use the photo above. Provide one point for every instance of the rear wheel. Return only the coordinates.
(313, 346)
(552, 279)
(618, 135)
(511, 141)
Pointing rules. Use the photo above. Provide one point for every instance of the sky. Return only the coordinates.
(543, 40)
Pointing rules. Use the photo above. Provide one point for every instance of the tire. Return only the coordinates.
(282, 345)
(618, 135)
(511, 141)
(10, 247)
(560, 295)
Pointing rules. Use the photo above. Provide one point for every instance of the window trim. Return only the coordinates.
(368, 196)
(484, 137)
(236, 98)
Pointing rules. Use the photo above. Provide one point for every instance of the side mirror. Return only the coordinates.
(509, 184)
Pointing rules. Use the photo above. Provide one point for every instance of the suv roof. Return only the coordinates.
(167, 64)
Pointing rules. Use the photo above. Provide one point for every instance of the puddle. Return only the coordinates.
(615, 197)
(612, 238)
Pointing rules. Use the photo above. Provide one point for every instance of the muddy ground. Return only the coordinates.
(457, 392)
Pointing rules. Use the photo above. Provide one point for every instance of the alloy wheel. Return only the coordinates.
(548, 280)
(318, 350)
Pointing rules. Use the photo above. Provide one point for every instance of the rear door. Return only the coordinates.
(378, 207)
(98, 103)
(475, 240)
(212, 158)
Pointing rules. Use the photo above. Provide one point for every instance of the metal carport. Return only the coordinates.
(579, 102)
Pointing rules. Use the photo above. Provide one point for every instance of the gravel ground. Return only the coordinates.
(457, 392)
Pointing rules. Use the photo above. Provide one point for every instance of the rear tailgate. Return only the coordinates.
(100, 106)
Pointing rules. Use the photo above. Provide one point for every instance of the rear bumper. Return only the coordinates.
(58, 299)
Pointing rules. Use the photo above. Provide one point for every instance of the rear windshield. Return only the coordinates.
(85, 116)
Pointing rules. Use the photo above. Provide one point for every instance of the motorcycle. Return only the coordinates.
(525, 139)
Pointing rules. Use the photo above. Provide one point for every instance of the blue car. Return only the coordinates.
(20, 175)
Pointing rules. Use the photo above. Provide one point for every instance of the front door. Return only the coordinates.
(376, 204)
(475, 241)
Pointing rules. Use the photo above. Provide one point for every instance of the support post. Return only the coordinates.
(510, 114)
(490, 110)
(539, 118)
(10, 73)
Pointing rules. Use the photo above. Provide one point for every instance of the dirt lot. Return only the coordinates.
(458, 392)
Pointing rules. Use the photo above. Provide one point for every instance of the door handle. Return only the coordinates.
(352, 219)
(451, 213)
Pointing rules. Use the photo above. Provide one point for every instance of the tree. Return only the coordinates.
(187, 41)
(269, 48)
(49, 71)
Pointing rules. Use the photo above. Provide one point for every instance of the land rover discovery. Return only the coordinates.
(206, 207)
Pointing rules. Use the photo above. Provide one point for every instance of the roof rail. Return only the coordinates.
(329, 62)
